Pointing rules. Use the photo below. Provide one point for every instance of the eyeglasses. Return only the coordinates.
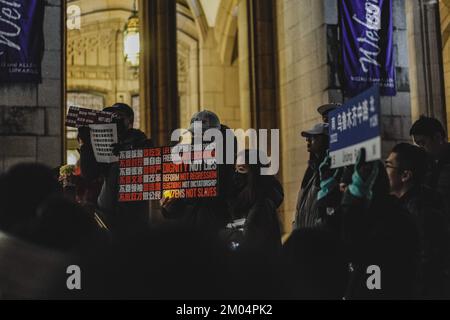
(389, 166)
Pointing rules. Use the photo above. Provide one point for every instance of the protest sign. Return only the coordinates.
(356, 125)
(102, 137)
(151, 174)
(80, 117)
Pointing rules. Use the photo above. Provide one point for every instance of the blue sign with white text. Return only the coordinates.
(356, 125)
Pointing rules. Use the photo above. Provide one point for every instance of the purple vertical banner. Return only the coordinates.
(21, 40)
(367, 46)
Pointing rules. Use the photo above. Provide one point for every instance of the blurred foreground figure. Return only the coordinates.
(406, 167)
(314, 265)
(378, 235)
(22, 189)
(30, 272)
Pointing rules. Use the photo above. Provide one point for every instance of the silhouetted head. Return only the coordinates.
(124, 117)
(428, 133)
(23, 188)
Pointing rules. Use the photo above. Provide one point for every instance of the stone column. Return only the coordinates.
(160, 68)
(425, 51)
(263, 73)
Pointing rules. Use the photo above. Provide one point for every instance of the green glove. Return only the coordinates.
(327, 178)
(363, 177)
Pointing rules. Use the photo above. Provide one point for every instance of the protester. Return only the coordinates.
(429, 134)
(406, 168)
(122, 218)
(377, 232)
(307, 213)
(253, 204)
(207, 214)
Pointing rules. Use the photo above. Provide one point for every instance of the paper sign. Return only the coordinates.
(102, 137)
(151, 174)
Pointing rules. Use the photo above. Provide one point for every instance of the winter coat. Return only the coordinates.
(261, 231)
(428, 212)
(379, 234)
(307, 213)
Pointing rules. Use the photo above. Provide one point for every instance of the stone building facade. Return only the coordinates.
(256, 63)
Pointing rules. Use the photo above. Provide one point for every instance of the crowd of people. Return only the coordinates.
(391, 215)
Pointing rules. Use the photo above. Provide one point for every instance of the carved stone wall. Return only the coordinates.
(95, 59)
(31, 114)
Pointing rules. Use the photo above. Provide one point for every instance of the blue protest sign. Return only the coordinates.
(356, 125)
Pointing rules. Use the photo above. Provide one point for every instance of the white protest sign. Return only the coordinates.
(102, 137)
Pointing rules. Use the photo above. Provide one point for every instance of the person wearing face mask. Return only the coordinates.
(123, 219)
(253, 206)
(207, 215)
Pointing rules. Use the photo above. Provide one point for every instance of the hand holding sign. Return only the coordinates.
(356, 125)
(325, 170)
(364, 177)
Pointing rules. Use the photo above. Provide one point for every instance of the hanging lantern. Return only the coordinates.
(131, 39)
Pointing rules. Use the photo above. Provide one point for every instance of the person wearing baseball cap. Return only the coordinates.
(307, 210)
(208, 119)
(325, 110)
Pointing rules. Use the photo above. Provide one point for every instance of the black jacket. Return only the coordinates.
(307, 212)
(427, 209)
(380, 233)
(261, 231)
(121, 217)
(438, 178)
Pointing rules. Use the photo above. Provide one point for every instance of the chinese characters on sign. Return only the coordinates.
(21, 40)
(151, 174)
(79, 117)
(354, 126)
